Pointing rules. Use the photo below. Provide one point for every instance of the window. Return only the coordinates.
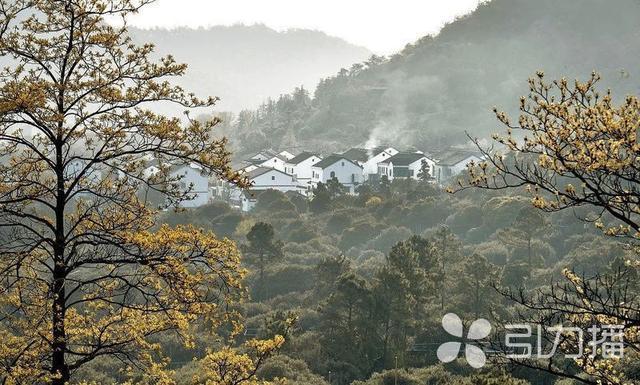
(333, 174)
(273, 177)
(342, 164)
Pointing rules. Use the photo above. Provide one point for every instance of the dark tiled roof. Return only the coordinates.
(363, 154)
(332, 159)
(404, 158)
(254, 161)
(454, 156)
(267, 153)
(357, 154)
(261, 170)
(301, 157)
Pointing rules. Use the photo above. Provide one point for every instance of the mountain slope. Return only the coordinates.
(433, 91)
(243, 65)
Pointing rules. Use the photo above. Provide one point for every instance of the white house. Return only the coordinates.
(453, 162)
(194, 181)
(248, 168)
(277, 162)
(370, 158)
(248, 200)
(262, 156)
(405, 165)
(264, 178)
(301, 167)
(266, 155)
(268, 159)
(286, 154)
(346, 171)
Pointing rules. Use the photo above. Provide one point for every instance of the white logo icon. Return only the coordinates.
(449, 351)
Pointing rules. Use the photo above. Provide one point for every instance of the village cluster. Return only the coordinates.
(300, 174)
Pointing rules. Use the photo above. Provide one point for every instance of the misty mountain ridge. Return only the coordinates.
(243, 65)
(432, 92)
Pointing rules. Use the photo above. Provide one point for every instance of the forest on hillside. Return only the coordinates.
(437, 89)
(368, 277)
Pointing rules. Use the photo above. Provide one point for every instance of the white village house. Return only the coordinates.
(193, 180)
(301, 167)
(284, 172)
(264, 178)
(405, 165)
(346, 171)
(370, 158)
(453, 162)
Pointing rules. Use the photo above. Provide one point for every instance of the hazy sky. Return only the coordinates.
(383, 26)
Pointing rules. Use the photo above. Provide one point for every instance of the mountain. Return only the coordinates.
(432, 92)
(243, 65)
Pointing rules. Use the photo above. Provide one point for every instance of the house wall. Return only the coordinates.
(416, 166)
(410, 171)
(445, 172)
(275, 163)
(274, 180)
(303, 170)
(305, 173)
(199, 186)
(371, 166)
(385, 169)
(247, 203)
(347, 173)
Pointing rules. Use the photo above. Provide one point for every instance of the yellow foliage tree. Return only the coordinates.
(230, 367)
(572, 147)
(84, 271)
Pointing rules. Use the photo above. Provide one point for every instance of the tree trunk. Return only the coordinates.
(59, 367)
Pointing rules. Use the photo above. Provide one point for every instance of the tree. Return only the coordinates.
(402, 290)
(575, 148)
(424, 174)
(262, 248)
(84, 273)
(474, 282)
(527, 226)
(233, 367)
(321, 199)
(335, 188)
(448, 249)
(347, 329)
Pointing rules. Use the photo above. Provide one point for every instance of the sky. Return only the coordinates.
(382, 26)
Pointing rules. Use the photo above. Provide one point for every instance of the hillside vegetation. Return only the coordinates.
(433, 91)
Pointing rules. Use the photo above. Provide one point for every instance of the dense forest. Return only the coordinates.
(368, 277)
(436, 89)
